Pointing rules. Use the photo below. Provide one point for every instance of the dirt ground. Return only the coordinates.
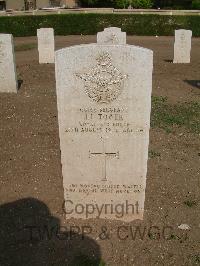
(31, 191)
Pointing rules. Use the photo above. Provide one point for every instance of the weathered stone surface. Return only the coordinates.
(8, 78)
(182, 46)
(111, 35)
(46, 45)
(104, 104)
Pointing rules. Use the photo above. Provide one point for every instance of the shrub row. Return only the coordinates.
(89, 24)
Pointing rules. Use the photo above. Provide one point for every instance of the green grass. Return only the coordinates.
(173, 237)
(190, 203)
(25, 47)
(84, 260)
(153, 154)
(196, 259)
(102, 263)
(154, 235)
(167, 116)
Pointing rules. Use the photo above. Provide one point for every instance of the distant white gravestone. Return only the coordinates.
(104, 105)
(46, 45)
(182, 46)
(8, 77)
(111, 35)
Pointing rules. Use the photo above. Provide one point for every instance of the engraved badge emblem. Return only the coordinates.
(104, 82)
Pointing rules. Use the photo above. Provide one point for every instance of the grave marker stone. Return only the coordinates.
(8, 78)
(46, 45)
(111, 35)
(182, 46)
(104, 104)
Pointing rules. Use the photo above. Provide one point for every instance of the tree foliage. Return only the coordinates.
(122, 3)
(133, 3)
(141, 3)
(196, 4)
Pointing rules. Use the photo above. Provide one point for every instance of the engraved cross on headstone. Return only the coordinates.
(112, 38)
(105, 156)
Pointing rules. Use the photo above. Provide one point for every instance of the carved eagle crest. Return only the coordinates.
(104, 82)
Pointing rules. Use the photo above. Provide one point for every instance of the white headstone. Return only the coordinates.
(8, 78)
(46, 45)
(182, 46)
(104, 104)
(111, 35)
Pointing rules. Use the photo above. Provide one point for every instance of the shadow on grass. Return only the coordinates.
(168, 60)
(194, 83)
(25, 47)
(19, 83)
(30, 235)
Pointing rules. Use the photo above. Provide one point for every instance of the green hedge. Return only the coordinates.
(88, 24)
